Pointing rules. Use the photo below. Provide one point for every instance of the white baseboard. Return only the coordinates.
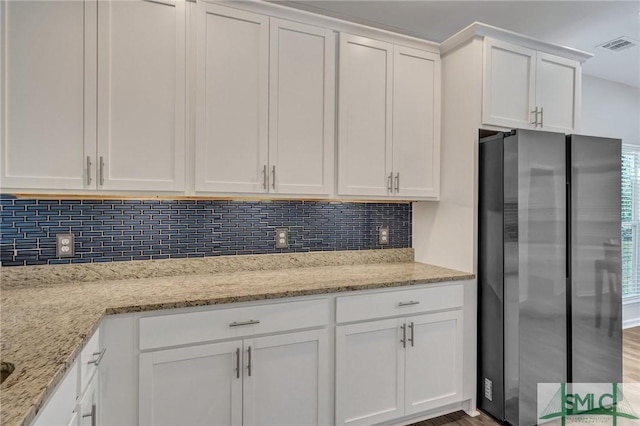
(630, 323)
(631, 312)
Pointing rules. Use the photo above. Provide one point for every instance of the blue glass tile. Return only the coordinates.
(13, 262)
(207, 227)
(59, 261)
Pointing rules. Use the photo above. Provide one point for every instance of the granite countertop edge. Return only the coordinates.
(36, 397)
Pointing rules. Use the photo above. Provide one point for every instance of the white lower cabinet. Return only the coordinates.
(391, 368)
(196, 385)
(288, 383)
(262, 364)
(433, 361)
(60, 408)
(369, 372)
(76, 400)
(272, 380)
(398, 360)
(88, 410)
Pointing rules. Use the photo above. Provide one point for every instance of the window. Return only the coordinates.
(630, 221)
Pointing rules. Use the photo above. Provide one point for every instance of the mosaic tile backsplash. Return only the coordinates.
(122, 230)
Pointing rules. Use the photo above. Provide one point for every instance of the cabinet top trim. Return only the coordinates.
(478, 29)
(310, 16)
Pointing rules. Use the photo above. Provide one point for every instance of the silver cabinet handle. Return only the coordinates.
(101, 170)
(238, 363)
(97, 361)
(237, 324)
(264, 177)
(88, 170)
(541, 116)
(535, 117)
(390, 182)
(398, 182)
(409, 303)
(92, 415)
(273, 175)
(411, 328)
(249, 361)
(404, 335)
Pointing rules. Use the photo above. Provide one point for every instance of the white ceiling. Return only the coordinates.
(579, 24)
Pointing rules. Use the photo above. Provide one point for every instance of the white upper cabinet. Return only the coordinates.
(232, 125)
(265, 104)
(389, 120)
(416, 123)
(525, 88)
(364, 122)
(141, 95)
(558, 83)
(94, 95)
(301, 108)
(45, 69)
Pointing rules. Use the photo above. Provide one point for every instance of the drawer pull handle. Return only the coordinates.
(97, 360)
(92, 415)
(237, 324)
(409, 303)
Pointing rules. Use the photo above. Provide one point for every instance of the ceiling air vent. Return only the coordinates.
(619, 44)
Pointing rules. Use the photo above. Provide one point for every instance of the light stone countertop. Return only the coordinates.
(48, 312)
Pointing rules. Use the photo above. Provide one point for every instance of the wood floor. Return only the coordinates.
(631, 355)
(630, 371)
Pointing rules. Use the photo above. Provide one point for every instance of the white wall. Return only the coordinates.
(613, 109)
(610, 109)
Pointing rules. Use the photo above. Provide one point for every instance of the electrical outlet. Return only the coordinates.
(282, 238)
(383, 235)
(65, 246)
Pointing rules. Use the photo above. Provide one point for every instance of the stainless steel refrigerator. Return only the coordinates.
(549, 267)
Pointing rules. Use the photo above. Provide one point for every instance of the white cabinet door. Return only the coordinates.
(286, 380)
(301, 108)
(558, 92)
(364, 122)
(508, 89)
(141, 95)
(416, 123)
(232, 100)
(370, 368)
(47, 63)
(433, 361)
(89, 406)
(195, 385)
(60, 408)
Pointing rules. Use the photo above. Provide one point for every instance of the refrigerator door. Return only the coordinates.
(596, 269)
(535, 278)
(491, 277)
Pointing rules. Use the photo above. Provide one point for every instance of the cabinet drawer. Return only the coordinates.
(401, 302)
(203, 326)
(90, 357)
